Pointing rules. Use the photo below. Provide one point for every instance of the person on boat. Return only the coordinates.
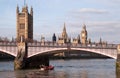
(42, 67)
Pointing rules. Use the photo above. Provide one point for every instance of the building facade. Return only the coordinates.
(24, 25)
(76, 40)
(54, 38)
(64, 37)
(84, 35)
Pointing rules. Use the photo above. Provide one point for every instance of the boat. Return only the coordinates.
(46, 67)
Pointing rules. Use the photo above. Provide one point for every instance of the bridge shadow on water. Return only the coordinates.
(36, 73)
(74, 70)
(48, 74)
(69, 68)
(5, 56)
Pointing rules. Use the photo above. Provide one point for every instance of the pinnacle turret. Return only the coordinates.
(31, 11)
(17, 9)
(64, 33)
(84, 27)
(25, 9)
(64, 29)
(24, 24)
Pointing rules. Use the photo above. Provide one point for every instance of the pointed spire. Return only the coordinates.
(78, 37)
(24, 2)
(100, 40)
(17, 9)
(64, 33)
(84, 26)
(31, 11)
(64, 29)
(25, 9)
(89, 40)
(54, 38)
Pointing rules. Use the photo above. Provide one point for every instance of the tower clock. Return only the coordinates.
(84, 35)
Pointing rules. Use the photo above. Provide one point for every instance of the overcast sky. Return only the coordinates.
(102, 18)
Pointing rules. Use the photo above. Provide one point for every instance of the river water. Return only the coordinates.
(74, 68)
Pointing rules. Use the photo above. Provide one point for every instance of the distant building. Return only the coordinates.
(103, 43)
(76, 40)
(89, 41)
(54, 38)
(42, 40)
(24, 24)
(64, 37)
(84, 35)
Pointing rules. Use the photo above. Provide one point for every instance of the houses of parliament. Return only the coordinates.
(64, 38)
(24, 25)
(24, 29)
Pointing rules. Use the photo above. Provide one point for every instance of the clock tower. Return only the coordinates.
(84, 35)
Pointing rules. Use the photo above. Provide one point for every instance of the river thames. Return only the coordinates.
(73, 68)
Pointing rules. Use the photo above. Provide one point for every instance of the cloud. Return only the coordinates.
(96, 23)
(108, 30)
(92, 10)
(105, 24)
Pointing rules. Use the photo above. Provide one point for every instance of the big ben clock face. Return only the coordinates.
(83, 35)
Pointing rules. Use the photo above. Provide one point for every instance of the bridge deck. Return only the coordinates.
(39, 48)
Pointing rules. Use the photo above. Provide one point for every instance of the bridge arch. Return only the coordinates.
(58, 50)
(103, 52)
(8, 52)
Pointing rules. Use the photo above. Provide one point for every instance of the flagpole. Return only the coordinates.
(24, 2)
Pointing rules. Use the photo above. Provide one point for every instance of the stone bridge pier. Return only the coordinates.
(23, 62)
(118, 54)
(118, 62)
(20, 61)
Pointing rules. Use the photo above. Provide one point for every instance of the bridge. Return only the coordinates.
(45, 49)
(38, 48)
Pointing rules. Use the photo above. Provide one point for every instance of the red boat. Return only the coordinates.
(46, 67)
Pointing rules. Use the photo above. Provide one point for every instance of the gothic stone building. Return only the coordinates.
(24, 24)
(84, 35)
(82, 38)
(64, 37)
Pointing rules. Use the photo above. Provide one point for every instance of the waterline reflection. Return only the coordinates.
(81, 68)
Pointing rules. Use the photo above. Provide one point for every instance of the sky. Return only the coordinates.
(101, 17)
